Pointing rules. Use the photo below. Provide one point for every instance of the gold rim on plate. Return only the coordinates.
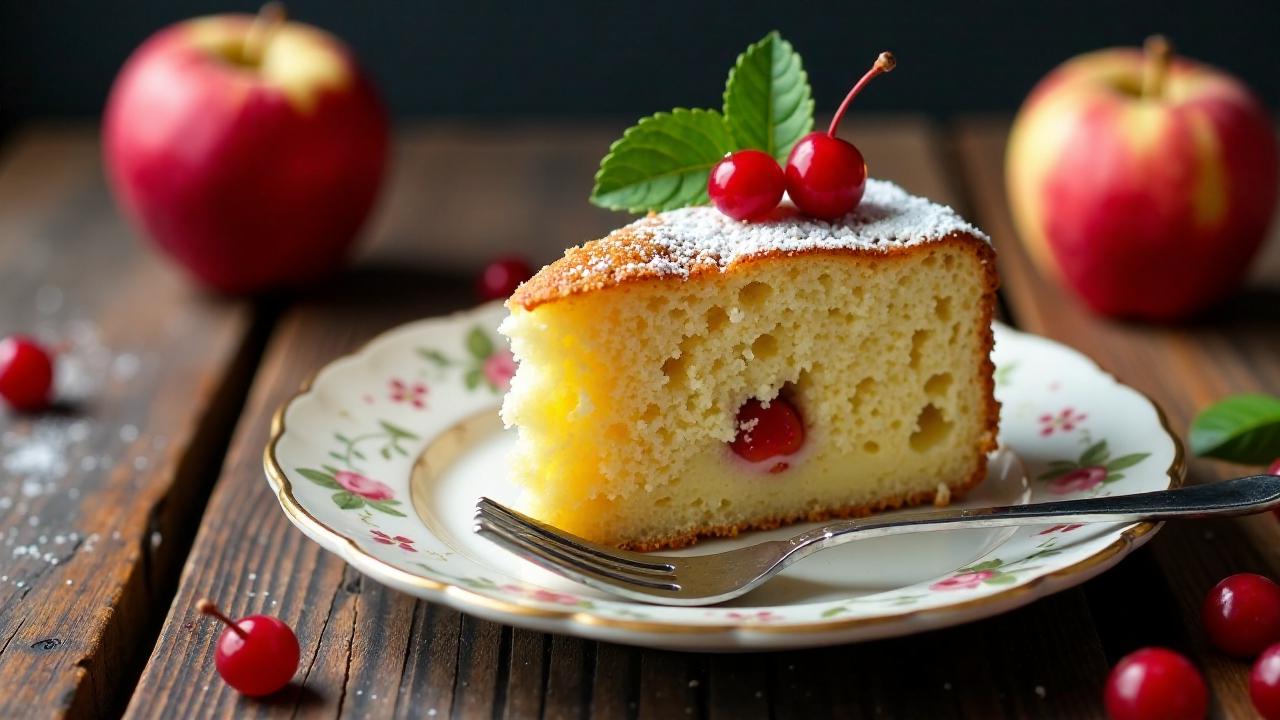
(284, 493)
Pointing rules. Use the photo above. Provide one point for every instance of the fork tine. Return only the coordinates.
(571, 566)
(633, 561)
(540, 539)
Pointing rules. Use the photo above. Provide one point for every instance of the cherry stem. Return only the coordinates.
(269, 19)
(207, 607)
(1157, 54)
(885, 63)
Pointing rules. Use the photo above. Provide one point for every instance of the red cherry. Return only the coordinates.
(746, 185)
(1242, 614)
(257, 655)
(1274, 468)
(766, 432)
(501, 277)
(1155, 684)
(826, 175)
(26, 373)
(1264, 683)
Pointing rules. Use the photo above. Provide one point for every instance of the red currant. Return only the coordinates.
(501, 277)
(1155, 683)
(1264, 683)
(826, 175)
(26, 373)
(1242, 614)
(257, 655)
(768, 432)
(746, 185)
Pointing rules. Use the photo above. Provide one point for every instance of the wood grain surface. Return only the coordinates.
(170, 423)
(99, 497)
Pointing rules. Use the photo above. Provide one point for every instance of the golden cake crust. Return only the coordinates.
(629, 254)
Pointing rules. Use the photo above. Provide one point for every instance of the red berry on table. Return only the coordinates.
(26, 373)
(1242, 614)
(746, 185)
(501, 277)
(826, 175)
(1155, 684)
(257, 655)
(1264, 683)
(768, 432)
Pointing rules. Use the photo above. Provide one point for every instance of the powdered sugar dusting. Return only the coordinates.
(684, 240)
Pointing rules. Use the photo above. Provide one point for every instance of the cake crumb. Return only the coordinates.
(943, 497)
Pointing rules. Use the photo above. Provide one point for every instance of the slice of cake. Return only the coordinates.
(691, 375)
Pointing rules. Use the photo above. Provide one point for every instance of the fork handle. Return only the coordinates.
(1241, 496)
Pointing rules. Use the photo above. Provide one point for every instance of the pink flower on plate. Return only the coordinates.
(367, 488)
(963, 581)
(404, 542)
(1059, 528)
(1078, 480)
(1066, 421)
(499, 369)
(414, 394)
(762, 616)
(543, 595)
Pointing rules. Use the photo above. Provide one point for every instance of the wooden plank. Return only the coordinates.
(469, 668)
(98, 497)
(1184, 368)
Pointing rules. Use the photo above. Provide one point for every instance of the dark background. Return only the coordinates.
(625, 59)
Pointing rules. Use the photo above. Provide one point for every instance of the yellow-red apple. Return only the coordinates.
(249, 149)
(1145, 182)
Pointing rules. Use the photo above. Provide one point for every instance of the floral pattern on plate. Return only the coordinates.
(342, 452)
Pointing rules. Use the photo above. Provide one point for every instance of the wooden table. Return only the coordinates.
(119, 509)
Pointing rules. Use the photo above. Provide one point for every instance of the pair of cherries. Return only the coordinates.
(825, 176)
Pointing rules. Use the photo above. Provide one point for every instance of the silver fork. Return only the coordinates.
(710, 579)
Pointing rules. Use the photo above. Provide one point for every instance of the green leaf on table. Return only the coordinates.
(479, 344)
(319, 478)
(1240, 428)
(767, 100)
(1095, 454)
(662, 162)
(348, 500)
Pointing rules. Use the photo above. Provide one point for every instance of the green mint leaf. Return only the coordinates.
(479, 344)
(662, 162)
(1240, 428)
(767, 100)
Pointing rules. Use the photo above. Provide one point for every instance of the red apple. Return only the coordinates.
(249, 149)
(1146, 183)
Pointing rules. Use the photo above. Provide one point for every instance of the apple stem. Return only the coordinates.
(1158, 53)
(207, 607)
(884, 63)
(269, 19)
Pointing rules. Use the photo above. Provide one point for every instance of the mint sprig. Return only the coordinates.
(767, 99)
(1240, 428)
(662, 162)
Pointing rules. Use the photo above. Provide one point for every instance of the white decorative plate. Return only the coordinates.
(380, 459)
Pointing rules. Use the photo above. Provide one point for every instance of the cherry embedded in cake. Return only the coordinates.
(690, 375)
